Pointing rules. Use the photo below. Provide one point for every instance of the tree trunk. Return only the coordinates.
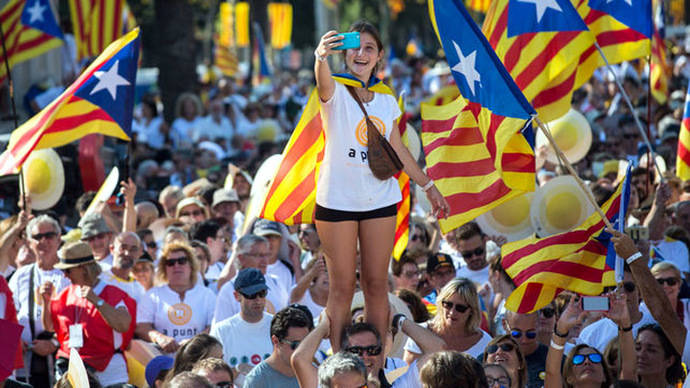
(176, 56)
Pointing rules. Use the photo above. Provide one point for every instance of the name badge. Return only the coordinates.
(76, 336)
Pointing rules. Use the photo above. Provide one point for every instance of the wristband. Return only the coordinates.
(625, 329)
(555, 331)
(634, 257)
(55, 343)
(556, 346)
(319, 57)
(428, 185)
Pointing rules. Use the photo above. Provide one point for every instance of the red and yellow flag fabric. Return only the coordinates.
(99, 101)
(280, 21)
(540, 46)
(581, 260)
(683, 157)
(30, 30)
(292, 196)
(225, 54)
(445, 95)
(402, 219)
(660, 71)
(97, 23)
(242, 24)
(476, 150)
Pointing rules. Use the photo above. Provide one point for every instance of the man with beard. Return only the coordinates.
(126, 249)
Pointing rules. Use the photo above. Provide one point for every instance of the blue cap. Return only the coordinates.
(250, 281)
(155, 367)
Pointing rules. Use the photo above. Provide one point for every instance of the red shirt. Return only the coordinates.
(11, 315)
(99, 338)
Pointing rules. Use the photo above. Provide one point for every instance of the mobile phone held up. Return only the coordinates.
(350, 41)
(595, 303)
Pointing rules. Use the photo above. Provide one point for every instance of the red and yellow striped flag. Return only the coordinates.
(280, 21)
(660, 71)
(242, 24)
(225, 54)
(402, 219)
(540, 50)
(683, 157)
(29, 31)
(292, 196)
(581, 260)
(96, 24)
(445, 95)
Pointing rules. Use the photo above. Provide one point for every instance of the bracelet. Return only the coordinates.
(625, 329)
(634, 257)
(428, 185)
(556, 346)
(555, 331)
(319, 57)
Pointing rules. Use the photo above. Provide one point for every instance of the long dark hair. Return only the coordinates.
(364, 26)
(196, 349)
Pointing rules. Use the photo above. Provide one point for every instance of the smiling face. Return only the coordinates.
(509, 359)
(361, 61)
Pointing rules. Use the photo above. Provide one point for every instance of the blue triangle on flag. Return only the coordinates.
(39, 15)
(636, 14)
(530, 16)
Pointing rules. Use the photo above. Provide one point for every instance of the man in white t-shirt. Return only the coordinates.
(125, 249)
(96, 233)
(246, 336)
(285, 272)
(252, 252)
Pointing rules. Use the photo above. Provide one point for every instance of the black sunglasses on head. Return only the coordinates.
(260, 294)
(373, 350)
(476, 252)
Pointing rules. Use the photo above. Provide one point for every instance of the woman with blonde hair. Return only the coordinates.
(186, 127)
(456, 322)
(670, 279)
(180, 307)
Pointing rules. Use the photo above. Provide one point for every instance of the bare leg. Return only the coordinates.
(376, 238)
(339, 244)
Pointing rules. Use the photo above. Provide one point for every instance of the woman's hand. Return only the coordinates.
(624, 245)
(439, 206)
(572, 315)
(327, 44)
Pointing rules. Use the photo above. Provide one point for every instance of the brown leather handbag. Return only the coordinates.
(383, 160)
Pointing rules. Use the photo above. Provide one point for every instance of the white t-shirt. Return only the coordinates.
(345, 180)
(675, 252)
(182, 131)
(209, 128)
(409, 379)
(227, 305)
(244, 342)
(601, 332)
(179, 319)
(213, 271)
(474, 351)
(480, 277)
(282, 274)
(150, 133)
(314, 308)
(132, 287)
(106, 263)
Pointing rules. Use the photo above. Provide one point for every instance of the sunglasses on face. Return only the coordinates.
(594, 358)
(180, 261)
(531, 334)
(260, 294)
(292, 344)
(547, 312)
(502, 381)
(448, 305)
(224, 384)
(194, 213)
(373, 350)
(629, 287)
(476, 252)
(41, 236)
(152, 244)
(507, 347)
(670, 281)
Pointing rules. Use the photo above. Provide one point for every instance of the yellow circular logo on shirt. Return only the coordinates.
(179, 314)
(361, 131)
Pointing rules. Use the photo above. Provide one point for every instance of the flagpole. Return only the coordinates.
(14, 110)
(630, 106)
(570, 168)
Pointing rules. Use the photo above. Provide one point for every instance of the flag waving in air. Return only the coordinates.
(475, 150)
(30, 29)
(540, 44)
(581, 260)
(99, 101)
(683, 157)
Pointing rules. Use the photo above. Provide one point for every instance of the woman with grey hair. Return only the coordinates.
(342, 369)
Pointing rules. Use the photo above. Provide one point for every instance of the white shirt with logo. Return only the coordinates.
(179, 319)
(130, 286)
(244, 342)
(345, 180)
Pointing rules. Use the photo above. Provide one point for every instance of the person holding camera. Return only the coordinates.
(354, 199)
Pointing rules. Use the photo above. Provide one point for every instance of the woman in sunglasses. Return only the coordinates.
(456, 322)
(180, 307)
(585, 366)
(668, 276)
(504, 351)
(658, 363)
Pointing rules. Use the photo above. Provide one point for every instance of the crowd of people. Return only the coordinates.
(219, 297)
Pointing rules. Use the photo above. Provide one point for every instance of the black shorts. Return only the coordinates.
(331, 215)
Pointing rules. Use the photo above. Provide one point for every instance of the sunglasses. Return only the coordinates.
(373, 350)
(547, 312)
(172, 262)
(491, 349)
(260, 294)
(501, 381)
(669, 281)
(194, 213)
(292, 344)
(531, 334)
(461, 308)
(477, 252)
(151, 244)
(593, 357)
(224, 384)
(629, 287)
(41, 236)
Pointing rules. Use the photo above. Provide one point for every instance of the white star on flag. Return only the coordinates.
(542, 5)
(109, 80)
(36, 12)
(465, 66)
